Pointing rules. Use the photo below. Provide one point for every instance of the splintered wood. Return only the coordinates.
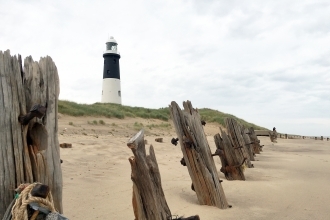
(148, 201)
(235, 132)
(29, 132)
(232, 166)
(197, 155)
(255, 141)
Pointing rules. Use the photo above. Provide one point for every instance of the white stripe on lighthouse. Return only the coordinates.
(111, 91)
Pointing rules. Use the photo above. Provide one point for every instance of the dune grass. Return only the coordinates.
(121, 111)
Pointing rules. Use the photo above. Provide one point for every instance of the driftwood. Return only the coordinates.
(235, 133)
(195, 217)
(29, 145)
(159, 140)
(232, 167)
(149, 201)
(197, 155)
(66, 145)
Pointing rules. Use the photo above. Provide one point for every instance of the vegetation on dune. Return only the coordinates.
(210, 115)
(121, 111)
(111, 110)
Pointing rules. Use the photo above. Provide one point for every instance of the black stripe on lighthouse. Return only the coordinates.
(111, 66)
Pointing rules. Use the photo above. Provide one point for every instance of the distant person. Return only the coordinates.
(274, 134)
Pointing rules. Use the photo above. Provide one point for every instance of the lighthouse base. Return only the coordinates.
(111, 92)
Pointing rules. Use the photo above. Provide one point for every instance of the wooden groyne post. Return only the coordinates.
(197, 155)
(235, 133)
(255, 141)
(148, 200)
(232, 167)
(29, 147)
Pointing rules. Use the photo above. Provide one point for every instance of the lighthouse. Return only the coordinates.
(111, 92)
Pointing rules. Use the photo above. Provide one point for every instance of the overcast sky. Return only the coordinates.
(267, 62)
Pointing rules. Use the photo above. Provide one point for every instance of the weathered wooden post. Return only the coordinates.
(197, 155)
(231, 166)
(149, 201)
(29, 148)
(286, 136)
(235, 134)
(321, 138)
(248, 143)
(255, 141)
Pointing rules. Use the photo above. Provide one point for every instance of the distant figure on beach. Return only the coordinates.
(273, 135)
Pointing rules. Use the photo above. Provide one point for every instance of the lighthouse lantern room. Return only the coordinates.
(111, 92)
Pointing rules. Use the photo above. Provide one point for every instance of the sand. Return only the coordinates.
(290, 179)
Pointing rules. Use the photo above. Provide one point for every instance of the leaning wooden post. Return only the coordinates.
(149, 201)
(248, 143)
(197, 155)
(255, 141)
(231, 166)
(234, 131)
(29, 148)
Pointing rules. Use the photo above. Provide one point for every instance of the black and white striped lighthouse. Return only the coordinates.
(111, 92)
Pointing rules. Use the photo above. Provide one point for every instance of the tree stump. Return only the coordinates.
(29, 145)
(197, 155)
(235, 134)
(149, 201)
(231, 166)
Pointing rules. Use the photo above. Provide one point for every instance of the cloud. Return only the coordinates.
(264, 61)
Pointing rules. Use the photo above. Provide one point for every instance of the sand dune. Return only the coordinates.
(290, 179)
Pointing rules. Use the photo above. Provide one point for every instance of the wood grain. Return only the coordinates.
(28, 153)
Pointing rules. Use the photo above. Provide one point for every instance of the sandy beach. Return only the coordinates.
(290, 179)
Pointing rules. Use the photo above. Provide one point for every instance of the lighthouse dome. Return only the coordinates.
(111, 46)
(111, 40)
